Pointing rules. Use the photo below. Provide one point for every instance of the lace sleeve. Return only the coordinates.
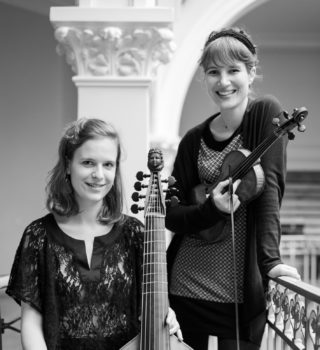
(24, 282)
(138, 232)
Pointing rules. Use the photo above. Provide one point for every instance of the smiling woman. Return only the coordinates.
(77, 271)
(216, 283)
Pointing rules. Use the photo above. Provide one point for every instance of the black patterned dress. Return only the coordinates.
(82, 307)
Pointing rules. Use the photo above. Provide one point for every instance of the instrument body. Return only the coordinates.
(245, 165)
(154, 333)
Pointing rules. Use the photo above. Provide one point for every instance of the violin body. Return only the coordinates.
(251, 186)
(245, 165)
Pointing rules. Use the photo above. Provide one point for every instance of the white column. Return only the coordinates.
(115, 48)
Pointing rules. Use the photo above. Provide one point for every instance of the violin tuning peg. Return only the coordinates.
(140, 175)
(136, 196)
(291, 135)
(286, 114)
(302, 128)
(135, 208)
(276, 121)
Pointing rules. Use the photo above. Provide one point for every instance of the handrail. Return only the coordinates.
(293, 315)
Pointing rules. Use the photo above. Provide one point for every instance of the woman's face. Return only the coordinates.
(228, 85)
(92, 170)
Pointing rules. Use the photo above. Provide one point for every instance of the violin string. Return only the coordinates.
(245, 166)
(155, 299)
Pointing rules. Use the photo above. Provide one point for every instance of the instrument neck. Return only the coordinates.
(252, 158)
(154, 334)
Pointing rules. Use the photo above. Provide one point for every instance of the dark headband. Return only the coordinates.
(237, 35)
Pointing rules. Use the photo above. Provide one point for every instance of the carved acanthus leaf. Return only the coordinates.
(115, 51)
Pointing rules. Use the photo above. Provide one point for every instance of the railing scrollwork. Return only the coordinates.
(293, 314)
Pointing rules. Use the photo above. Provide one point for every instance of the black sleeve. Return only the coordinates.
(187, 217)
(24, 282)
(267, 205)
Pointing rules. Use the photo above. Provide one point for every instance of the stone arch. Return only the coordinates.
(174, 79)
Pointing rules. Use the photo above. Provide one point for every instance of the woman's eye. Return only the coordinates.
(87, 163)
(109, 165)
(212, 72)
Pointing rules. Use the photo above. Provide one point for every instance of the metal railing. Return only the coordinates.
(293, 316)
(6, 325)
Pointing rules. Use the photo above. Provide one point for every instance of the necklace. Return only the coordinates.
(225, 125)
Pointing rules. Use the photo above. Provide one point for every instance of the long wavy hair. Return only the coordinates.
(60, 194)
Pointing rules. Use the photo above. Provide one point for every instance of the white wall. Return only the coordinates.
(37, 98)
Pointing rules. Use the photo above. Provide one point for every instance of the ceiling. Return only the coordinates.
(274, 18)
(38, 6)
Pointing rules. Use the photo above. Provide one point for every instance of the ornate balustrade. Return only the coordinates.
(293, 316)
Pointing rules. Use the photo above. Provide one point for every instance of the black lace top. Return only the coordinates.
(82, 307)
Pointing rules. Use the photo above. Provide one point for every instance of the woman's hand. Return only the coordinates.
(174, 327)
(284, 270)
(222, 199)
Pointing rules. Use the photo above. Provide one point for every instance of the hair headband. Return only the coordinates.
(237, 35)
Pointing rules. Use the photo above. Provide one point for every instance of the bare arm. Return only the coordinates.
(31, 329)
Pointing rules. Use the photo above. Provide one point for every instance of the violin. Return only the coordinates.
(154, 333)
(245, 165)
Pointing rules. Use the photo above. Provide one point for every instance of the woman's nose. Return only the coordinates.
(223, 79)
(98, 172)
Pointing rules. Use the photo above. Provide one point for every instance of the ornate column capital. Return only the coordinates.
(109, 43)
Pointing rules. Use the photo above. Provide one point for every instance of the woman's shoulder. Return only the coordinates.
(197, 130)
(193, 136)
(131, 225)
(130, 230)
(265, 101)
(38, 226)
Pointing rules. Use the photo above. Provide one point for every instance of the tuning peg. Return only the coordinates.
(302, 128)
(173, 201)
(135, 208)
(138, 186)
(173, 190)
(276, 121)
(140, 175)
(291, 135)
(136, 196)
(171, 181)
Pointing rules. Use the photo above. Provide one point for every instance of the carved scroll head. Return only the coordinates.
(155, 160)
